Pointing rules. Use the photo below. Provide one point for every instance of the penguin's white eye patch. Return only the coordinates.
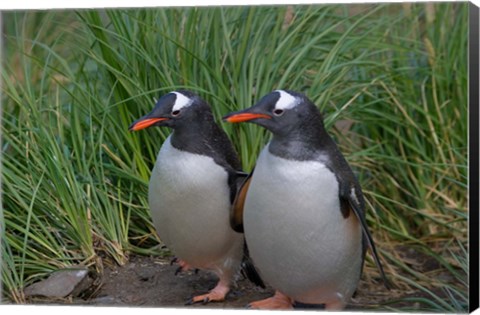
(286, 100)
(181, 101)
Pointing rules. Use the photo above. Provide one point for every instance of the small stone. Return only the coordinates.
(145, 274)
(60, 283)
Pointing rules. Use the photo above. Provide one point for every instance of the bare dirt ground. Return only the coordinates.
(151, 282)
(147, 281)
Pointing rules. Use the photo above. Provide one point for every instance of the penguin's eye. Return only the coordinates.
(175, 112)
(278, 112)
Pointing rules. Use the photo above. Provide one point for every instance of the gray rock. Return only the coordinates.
(61, 283)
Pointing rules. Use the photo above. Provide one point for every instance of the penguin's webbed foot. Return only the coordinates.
(217, 294)
(182, 265)
(278, 301)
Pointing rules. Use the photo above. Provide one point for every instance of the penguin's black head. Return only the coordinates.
(281, 112)
(179, 108)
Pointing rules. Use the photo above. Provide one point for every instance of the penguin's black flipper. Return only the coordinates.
(239, 183)
(235, 182)
(236, 211)
(353, 195)
(248, 269)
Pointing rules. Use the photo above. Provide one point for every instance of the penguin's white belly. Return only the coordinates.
(189, 200)
(297, 237)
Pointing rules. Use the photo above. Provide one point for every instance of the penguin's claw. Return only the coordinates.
(178, 270)
(182, 265)
(278, 301)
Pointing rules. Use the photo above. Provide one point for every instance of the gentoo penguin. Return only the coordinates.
(303, 209)
(192, 187)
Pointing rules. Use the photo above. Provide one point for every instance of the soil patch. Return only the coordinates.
(151, 282)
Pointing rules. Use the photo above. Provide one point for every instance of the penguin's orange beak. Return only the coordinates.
(241, 117)
(145, 123)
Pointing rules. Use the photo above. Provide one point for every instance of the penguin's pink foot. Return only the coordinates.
(336, 303)
(182, 265)
(217, 294)
(278, 301)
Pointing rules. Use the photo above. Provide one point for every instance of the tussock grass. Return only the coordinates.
(74, 178)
